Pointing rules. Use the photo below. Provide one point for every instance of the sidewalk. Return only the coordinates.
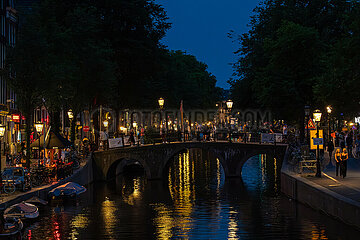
(336, 196)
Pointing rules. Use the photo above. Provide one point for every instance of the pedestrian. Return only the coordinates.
(330, 148)
(344, 158)
(338, 161)
(132, 137)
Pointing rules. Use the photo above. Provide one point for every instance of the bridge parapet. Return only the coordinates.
(155, 158)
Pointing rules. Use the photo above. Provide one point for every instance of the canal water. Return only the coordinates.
(195, 202)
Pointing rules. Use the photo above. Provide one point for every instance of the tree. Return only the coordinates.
(276, 70)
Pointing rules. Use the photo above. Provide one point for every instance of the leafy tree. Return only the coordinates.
(275, 70)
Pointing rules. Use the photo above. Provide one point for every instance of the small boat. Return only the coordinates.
(21, 210)
(36, 201)
(69, 189)
(10, 228)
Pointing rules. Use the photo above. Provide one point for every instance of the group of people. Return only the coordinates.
(341, 158)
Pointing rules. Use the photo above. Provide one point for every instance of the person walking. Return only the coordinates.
(344, 158)
(338, 161)
(330, 149)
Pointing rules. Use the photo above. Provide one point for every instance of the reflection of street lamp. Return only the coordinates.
(2, 133)
(317, 116)
(39, 127)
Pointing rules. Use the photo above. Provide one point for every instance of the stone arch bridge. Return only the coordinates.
(155, 159)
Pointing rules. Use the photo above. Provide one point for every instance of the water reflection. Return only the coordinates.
(194, 203)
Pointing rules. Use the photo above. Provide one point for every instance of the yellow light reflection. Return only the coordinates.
(108, 214)
(317, 233)
(233, 226)
(132, 194)
(182, 191)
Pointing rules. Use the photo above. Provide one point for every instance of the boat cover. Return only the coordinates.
(36, 200)
(68, 189)
(21, 208)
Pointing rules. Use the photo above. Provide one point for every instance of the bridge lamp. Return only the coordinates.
(106, 123)
(229, 104)
(70, 114)
(161, 102)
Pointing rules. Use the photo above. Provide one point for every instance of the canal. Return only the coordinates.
(195, 202)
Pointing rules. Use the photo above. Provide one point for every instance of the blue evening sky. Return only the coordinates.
(200, 28)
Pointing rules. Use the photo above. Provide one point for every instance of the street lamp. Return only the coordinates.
(161, 102)
(317, 116)
(329, 110)
(229, 105)
(106, 123)
(39, 127)
(70, 114)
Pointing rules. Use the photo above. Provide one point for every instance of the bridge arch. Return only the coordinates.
(117, 167)
(249, 155)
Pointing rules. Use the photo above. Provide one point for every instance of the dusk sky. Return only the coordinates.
(200, 28)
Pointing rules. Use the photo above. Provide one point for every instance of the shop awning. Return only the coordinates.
(54, 141)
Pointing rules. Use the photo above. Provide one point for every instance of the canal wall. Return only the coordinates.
(83, 176)
(320, 198)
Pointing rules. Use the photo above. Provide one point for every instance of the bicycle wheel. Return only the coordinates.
(9, 188)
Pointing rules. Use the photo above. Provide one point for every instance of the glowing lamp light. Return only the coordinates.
(39, 127)
(2, 130)
(161, 102)
(70, 114)
(229, 104)
(317, 115)
(329, 109)
(134, 124)
(122, 129)
(106, 123)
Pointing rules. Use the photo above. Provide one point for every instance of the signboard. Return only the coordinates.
(267, 138)
(311, 124)
(115, 142)
(357, 120)
(16, 117)
(313, 135)
(278, 137)
(86, 128)
(318, 141)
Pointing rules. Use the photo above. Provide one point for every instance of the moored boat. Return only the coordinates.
(10, 228)
(21, 210)
(69, 189)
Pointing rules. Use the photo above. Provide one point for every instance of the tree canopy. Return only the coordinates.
(298, 53)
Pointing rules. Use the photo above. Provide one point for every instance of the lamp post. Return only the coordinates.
(161, 102)
(229, 105)
(307, 114)
(2, 133)
(329, 110)
(39, 127)
(71, 117)
(317, 116)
